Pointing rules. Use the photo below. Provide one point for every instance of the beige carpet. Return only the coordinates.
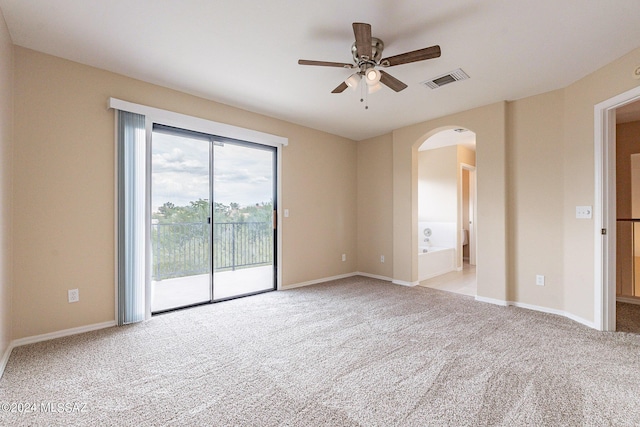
(628, 318)
(354, 352)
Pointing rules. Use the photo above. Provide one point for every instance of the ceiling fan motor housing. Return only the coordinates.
(377, 46)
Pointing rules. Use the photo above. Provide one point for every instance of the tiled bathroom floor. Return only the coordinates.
(460, 282)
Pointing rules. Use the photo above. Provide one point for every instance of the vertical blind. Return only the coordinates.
(131, 217)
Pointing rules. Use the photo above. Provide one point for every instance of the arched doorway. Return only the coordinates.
(489, 125)
(446, 210)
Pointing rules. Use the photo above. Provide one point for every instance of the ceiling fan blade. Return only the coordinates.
(340, 88)
(392, 82)
(414, 56)
(325, 63)
(363, 39)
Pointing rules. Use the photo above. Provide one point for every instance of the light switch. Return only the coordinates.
(583, 212)
(286, 213)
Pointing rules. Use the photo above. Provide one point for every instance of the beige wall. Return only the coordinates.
(466, 156)
(535, 199)
(579, 175)
(375, 211)
(438, 184)
(64, 190)
(319, 180)
(6, 153)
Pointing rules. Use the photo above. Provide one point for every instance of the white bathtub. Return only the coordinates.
(434, 261)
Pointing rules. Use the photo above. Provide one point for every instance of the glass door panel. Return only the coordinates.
(180, 219)
(243, 225)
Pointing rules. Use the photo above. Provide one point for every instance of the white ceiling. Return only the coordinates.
(244, 52)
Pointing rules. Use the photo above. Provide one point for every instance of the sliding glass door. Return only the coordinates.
(243, 233)
(201, 251)
(180, 229)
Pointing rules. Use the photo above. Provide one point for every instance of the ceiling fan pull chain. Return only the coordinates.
(364, 96)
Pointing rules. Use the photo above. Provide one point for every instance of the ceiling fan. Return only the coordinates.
(367, 54)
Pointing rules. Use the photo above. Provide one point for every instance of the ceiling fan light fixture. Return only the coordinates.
(373, 88)
(372, 76)
(353, 81)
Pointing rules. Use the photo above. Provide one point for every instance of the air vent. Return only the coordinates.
(445, 79)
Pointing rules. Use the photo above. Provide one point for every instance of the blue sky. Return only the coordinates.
(180, 172)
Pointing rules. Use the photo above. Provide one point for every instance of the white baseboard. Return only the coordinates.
(316, 281)
(492, 301)
(51, 335)
(555, 311)
(403, 283)
(541, 309)
(628, 300)
(581, 320)
(5, 358)
(63, 333)
(374, 276)
(344, 276)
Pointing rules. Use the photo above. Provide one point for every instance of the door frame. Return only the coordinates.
(473, 205)
(605, 208)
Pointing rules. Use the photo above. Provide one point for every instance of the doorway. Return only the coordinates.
(605, 209)
(468, 214)
(446, 211)
(628, 218)
(212, 218)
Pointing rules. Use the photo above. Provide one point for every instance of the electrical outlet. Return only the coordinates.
(382, 258)
(539, 280)
(74, 295)
(344, 257)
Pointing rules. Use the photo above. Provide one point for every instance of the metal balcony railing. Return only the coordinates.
(184, 249)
